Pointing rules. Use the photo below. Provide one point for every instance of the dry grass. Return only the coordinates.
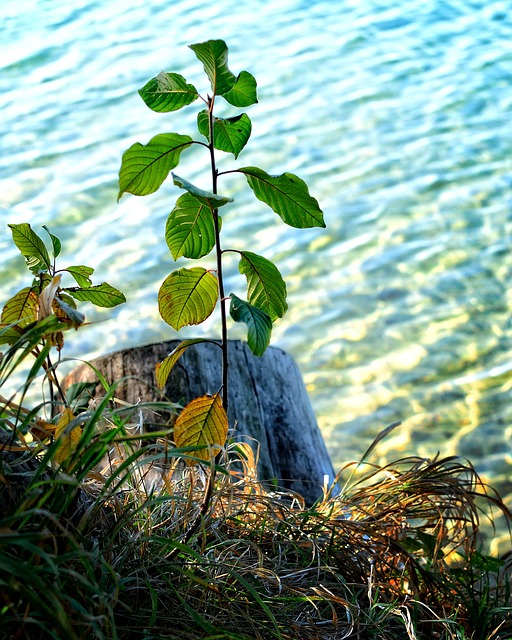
(119, 543)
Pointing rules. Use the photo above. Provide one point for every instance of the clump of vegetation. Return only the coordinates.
(108, 532)
(193, 228)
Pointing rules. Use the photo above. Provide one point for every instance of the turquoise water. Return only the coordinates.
(396, 113)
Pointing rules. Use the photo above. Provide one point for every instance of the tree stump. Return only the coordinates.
(268, 403)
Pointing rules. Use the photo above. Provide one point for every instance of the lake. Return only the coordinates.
(398, 116)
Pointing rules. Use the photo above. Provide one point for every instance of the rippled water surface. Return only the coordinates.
(398, 116)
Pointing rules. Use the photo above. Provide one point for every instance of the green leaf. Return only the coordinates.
(31, 337)
(188, 296)
(259, 324)
(266, 288)
(102, 295)
(214, 56)
(66, 299)
(190, 231)
(203, 124)
(29, 340)
(81, 274)
(168, 92)
(56, 243)
(21, 308)
(70, 313)
(243, 94)
(145, 167)
(65, 309)
(430, 545)
(287, 195)
(229, 134)
(31, 246)
(484, 563)
(211, 200)
(10, 333)
(202, 423)
(163, 369)
(411, 545)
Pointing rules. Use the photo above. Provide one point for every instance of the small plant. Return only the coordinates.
(33, 321)
(189, 296)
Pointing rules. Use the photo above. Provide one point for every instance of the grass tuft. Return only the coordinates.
(114, 542)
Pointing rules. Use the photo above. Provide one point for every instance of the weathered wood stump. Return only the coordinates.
(268, 403)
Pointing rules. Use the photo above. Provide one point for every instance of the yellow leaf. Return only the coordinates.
(67, 436)
(41, 429)
(163, 369)
(20, 309)
(203, 422)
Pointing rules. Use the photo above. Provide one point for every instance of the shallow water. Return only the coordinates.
(397, 114)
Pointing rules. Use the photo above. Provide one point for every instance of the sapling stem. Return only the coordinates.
(218, 250)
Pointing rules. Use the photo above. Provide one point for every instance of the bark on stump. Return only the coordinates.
(268, 402)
